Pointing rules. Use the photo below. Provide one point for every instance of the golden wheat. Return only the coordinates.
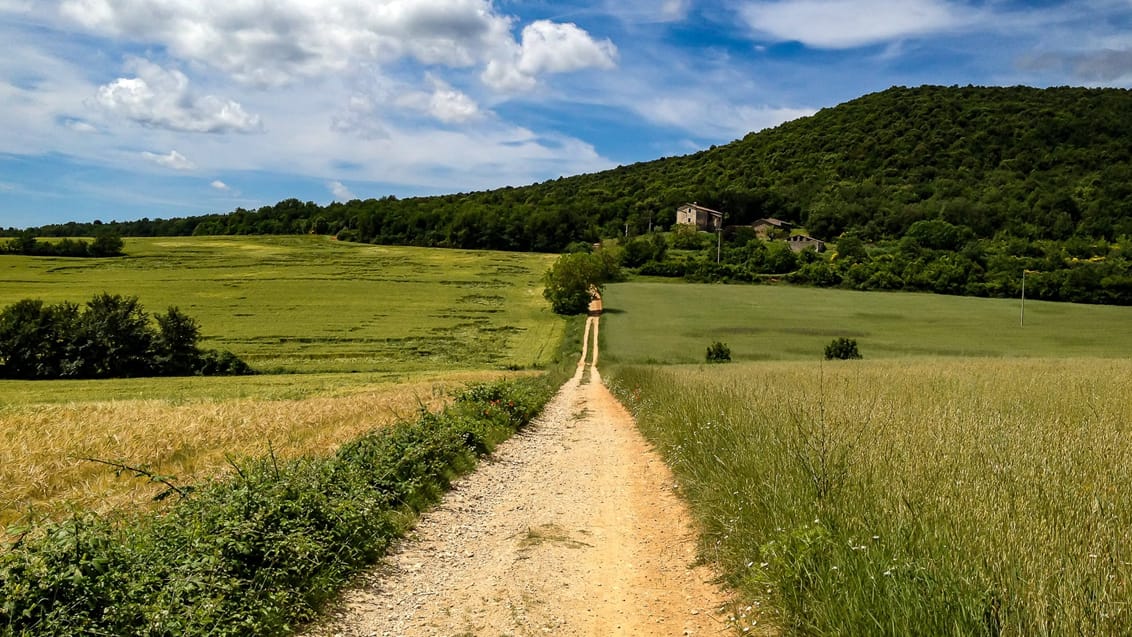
(43, 446)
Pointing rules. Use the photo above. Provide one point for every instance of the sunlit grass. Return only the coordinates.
(911, 497)
(188, 436)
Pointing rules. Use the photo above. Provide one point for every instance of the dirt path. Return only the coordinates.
(570, 528)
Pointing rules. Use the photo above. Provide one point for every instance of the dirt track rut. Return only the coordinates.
(570, 528)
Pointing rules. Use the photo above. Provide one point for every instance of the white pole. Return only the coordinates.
(1022, 315)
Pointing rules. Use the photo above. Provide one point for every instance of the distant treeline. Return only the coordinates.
(105, 244)
(112, 337)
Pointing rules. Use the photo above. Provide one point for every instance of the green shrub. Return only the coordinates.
(718, 352)
(842, 349)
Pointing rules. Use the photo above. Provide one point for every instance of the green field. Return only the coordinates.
(665, 322)
(969, 477)
(350, 338)
(310, 304)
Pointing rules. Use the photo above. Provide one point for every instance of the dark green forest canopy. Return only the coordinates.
(1029, 163)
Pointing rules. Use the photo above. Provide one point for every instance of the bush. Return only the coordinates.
(842, 349)
(112, 338)
(258, 553)
(663, 268)
(718, 352)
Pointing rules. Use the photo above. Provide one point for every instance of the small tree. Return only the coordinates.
(573, 279)
(106, 244)
(842, 348)
(175, 349)
(718, 352)
(114, 337)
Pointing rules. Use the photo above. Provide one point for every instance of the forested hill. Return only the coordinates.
(1032, 163)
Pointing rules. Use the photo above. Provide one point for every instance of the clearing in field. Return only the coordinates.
(352, 337)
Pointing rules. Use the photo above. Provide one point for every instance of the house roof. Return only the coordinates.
(773, 222)
(703, 208)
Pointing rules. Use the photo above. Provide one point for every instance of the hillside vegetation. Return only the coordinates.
(1033, 163)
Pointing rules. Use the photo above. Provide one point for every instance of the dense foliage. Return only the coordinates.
(256, 554)
(718, 352)
(933, 256)
(112, 337)
(106, 244)
(842, 349)
(575, 278)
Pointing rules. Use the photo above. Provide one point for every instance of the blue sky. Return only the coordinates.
(122, 109)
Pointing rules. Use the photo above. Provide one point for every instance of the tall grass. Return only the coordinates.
(935, 497)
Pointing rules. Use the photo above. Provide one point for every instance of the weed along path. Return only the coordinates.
(569, 528)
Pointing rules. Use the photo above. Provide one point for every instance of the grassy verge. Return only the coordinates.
(259, 552)
(931, 497)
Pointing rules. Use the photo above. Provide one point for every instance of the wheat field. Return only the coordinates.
(908, 497)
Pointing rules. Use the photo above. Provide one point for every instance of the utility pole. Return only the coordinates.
(718, 239)
(1022, 314)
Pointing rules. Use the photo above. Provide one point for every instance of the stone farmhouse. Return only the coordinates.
(764, 227)
(706, 219)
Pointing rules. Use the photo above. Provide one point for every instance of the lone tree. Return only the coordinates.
(574, 278)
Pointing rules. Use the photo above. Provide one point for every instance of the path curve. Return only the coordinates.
(569, 528)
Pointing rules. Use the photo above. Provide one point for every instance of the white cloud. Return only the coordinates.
(647, 11)
(843, 24)
(716, 118)
(443, 103)
(280, 42)
(340, 191)
(675, 9)
(160, 98)
(173, 160)
(450, 105)
(221, 186)
(79, 126)
(548, 47)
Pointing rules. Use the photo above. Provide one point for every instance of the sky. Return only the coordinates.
(123, 109)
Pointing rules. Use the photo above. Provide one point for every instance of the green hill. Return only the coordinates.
(1033, 163)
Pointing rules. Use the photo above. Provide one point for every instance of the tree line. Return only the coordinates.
(105, 244)
(111, 337)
